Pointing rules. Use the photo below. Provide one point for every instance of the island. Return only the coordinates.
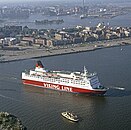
(46, 21)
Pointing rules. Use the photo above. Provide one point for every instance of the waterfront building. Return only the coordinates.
(29, 38)
(41, 41)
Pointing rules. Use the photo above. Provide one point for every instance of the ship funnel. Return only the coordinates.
(39, 64)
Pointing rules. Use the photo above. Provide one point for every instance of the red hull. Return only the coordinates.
(62, 87)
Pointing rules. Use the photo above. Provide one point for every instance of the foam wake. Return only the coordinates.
(117, 87)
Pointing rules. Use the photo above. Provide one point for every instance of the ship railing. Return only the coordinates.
(91, 74)
(26, 71)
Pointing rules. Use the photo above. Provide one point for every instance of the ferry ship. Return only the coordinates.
(75, 82)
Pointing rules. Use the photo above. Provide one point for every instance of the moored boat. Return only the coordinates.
(70, 116)
(75, 82)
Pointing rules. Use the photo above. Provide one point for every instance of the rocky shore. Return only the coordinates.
(10, 122)
(36, 52)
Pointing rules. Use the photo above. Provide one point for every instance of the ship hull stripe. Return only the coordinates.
(62, 87)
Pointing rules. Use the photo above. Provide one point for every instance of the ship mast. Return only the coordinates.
(85, 72)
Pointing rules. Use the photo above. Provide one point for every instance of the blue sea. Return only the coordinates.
(40, 109)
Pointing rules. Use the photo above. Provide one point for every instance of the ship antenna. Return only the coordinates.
(83, 7)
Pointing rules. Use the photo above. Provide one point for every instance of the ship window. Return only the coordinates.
(82, 83)
(71, 81)
(58, 80)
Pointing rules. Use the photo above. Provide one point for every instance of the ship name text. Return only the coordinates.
(58, 87)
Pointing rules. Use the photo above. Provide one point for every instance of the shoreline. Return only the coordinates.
(34, 52)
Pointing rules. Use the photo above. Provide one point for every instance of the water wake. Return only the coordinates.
(117, 87)
(8, 76)
(3, 96)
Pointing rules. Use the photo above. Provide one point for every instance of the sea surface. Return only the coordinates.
(70, 21)
(40, 109)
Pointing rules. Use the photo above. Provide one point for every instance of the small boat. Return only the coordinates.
(70, 116)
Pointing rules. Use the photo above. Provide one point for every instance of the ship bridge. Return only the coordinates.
(68, 74)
